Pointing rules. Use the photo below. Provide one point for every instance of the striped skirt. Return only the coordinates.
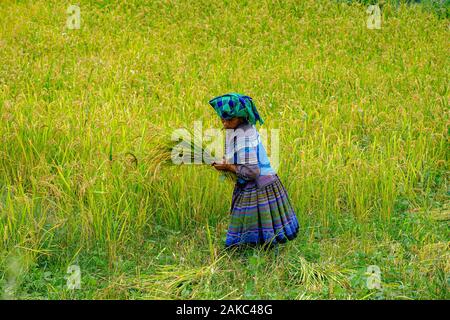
(262, 216)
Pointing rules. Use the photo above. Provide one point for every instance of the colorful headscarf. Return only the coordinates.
(233, 105)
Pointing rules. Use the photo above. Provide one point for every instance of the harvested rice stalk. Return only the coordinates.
(167, 150)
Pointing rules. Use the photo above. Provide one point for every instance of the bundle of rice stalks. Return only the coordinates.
(167, 151)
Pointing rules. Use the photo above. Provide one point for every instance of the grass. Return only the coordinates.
(363, 119)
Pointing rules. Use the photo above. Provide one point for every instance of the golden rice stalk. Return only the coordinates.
(163, 147)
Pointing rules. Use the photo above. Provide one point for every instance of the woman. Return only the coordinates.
(261, 213)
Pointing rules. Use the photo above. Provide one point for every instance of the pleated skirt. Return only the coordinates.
(261, 216)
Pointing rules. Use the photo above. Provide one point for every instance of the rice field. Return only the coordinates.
(85, 116)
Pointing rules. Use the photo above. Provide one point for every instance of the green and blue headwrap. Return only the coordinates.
(232, 105)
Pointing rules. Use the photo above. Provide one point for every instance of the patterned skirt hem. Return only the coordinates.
(262, 244)
(261, 217)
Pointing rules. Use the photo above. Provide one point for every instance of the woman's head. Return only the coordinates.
(235, 105)
(232, 123)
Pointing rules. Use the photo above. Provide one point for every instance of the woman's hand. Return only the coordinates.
(220, 166)
(224, 166)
